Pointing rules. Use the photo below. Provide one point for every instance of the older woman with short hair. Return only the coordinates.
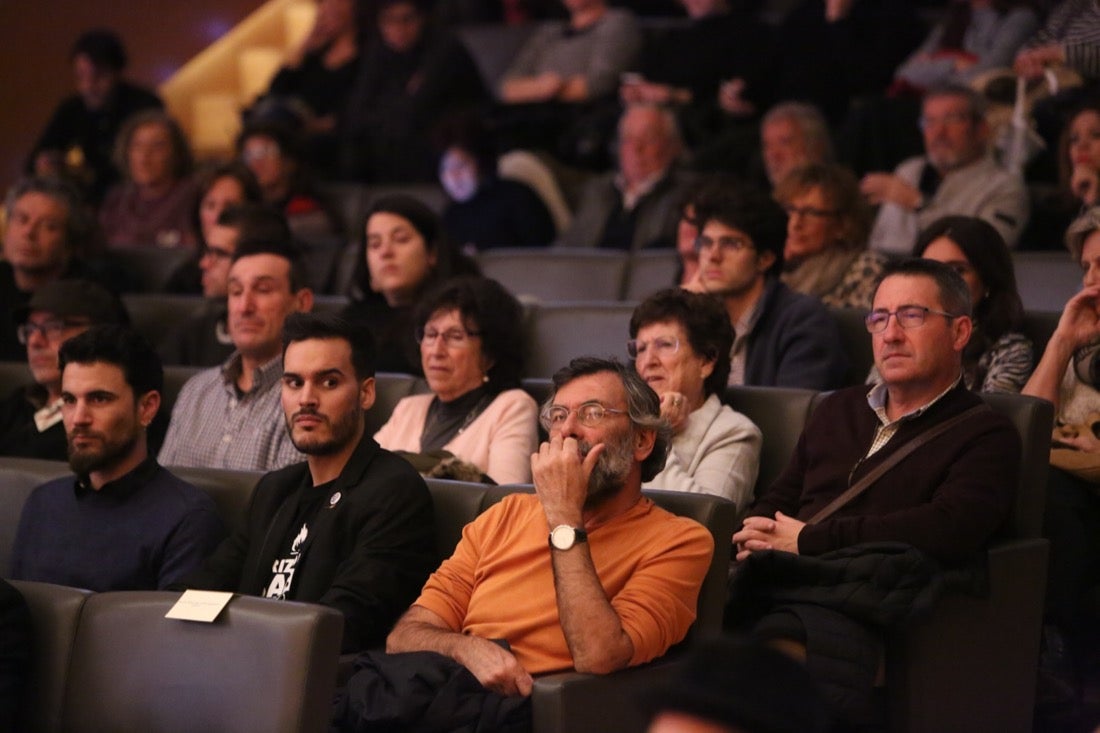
(471, 346)
(826, 251)
(680, 342)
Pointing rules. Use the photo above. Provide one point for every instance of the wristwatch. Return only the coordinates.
(563, 536)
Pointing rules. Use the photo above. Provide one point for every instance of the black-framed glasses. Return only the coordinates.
(453, 337)
(590, 414)
(909, 316)
(662, 346)
(51, 328)
(726, 244)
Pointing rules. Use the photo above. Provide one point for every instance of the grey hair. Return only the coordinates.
(78, 224)
(669, 122)
(643, 404)
(975, 102)
(811, 122)
(1080, 230)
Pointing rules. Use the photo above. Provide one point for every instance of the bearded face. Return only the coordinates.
(612, 467)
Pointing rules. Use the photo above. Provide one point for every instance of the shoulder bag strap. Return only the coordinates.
(892, 460)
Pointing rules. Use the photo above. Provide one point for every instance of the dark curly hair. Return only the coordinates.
(749, 210)
(494, 313)
(703, 319)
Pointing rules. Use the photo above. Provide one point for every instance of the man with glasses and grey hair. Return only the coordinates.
(584, 574)
(956, 175)
(945, 497)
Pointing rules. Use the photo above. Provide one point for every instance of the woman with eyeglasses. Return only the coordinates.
(275, 152)
(680, 343)
(470, 333)
(826, 253)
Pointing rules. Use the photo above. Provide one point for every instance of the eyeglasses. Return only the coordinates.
(727, 244)
(217, 253)
(455, 338)
(809, 211)
(909, 316)
(662, 346)
(590, 414)
(51, 329)
(260, 151)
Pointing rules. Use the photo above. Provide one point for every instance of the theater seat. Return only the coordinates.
(781, 414)
(263, 665)
(18, 478)
(55, 613)
(557, 274)
(573, 702)
(971, 665)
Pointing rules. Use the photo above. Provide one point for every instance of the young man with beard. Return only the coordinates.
(352, 526)
(123, 522)
(586, 573)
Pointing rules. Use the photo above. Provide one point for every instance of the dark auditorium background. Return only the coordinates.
(34, 54)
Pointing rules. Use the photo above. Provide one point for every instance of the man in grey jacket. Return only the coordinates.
(956, 175)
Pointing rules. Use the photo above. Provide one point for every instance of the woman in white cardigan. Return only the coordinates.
(470, 336)
(680, 343)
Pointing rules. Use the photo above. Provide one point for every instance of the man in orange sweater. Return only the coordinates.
(616, 582)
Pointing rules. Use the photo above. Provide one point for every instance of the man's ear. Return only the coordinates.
(764, 261)
(366, 393)
(303, 300)
(644, 440)
(148, 405)
(962, 328)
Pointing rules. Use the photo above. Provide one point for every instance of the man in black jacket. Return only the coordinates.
(352, 527)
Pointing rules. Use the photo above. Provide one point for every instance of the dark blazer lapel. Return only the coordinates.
(348, 480)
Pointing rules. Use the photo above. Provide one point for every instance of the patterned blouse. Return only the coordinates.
(1004, 366)
(857, 288)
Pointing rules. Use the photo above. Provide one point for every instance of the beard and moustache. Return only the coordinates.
(612, 467)
(341, 432)
(110, 450)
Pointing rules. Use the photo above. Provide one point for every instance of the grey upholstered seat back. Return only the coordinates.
(1033, 418)
(55, 614)
(781, 414)
(263, 665)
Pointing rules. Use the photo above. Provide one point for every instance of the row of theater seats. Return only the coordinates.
(112, 662)
(970, 665)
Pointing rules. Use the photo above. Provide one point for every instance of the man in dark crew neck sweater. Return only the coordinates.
(352, 526)
(123, 522)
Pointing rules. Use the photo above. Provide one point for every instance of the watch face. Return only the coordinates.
(563, 537)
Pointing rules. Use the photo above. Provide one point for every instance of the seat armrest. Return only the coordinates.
(574, 702)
